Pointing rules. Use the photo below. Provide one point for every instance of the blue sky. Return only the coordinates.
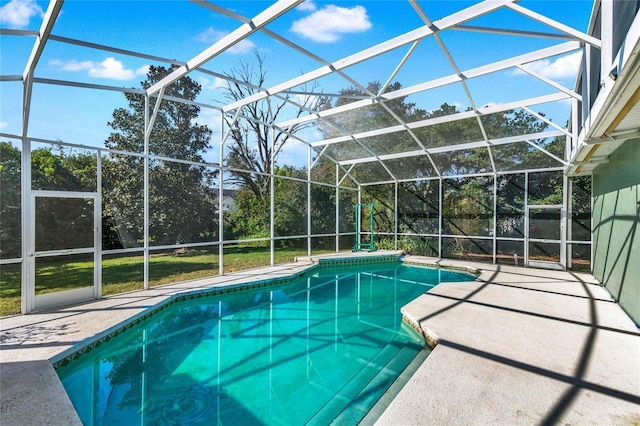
(329, 29)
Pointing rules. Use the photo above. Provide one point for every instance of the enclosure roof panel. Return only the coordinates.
(387, 90)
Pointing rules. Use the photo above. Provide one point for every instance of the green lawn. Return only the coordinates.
(125, 273)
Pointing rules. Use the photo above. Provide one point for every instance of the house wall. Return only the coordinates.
(616, 226)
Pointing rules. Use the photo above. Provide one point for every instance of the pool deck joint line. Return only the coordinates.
(516, 346)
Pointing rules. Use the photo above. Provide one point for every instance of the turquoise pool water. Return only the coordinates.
(321, 348)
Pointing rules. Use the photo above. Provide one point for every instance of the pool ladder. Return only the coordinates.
(371, 245)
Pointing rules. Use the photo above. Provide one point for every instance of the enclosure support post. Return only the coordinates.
(495, 206)
(308, 200)
(337, 209)
(28, 207)
(591, 226)
(272, 203)
(372, 243)
(359, 200)
(28, 234)
(357, 224)
(526, 219)
(220, 197)
(97, 242)
(563, 222)
(145, 196)
(395, 218)
(569, 222)
(440, 217)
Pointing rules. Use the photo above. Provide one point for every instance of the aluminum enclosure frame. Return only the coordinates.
(568, 40)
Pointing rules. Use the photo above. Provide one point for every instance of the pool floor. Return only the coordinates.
(323, 348)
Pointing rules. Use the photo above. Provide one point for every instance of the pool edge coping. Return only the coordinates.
(87, 344)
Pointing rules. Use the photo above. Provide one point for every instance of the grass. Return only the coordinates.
(125, 273)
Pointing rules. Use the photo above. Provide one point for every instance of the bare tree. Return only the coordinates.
(250, 145)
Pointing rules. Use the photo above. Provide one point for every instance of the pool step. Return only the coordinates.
(375, 388)
(344, 396)
(354, 399)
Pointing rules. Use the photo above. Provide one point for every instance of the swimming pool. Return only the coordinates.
(321, 348)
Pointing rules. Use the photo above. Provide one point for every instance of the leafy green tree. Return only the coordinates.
(10, 194)
(290, 199)
(510, 205)
(323, 209)
(420, 207)
(251, 217)
(545, 188)
(366, 119)
(581, 208)
(61, 169)
(63, 223)
(467, 208)
(181, 199)
(60, 220)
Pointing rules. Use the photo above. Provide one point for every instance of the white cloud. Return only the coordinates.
(3, 124)
(307, 6)
(210, 117)
(17, 13)
(143, 70)
(211, 35)
(215, 84)
(71, 65)
(294, 153)
(306, 99)
(110, 68)
(331, 22)
(561, 68)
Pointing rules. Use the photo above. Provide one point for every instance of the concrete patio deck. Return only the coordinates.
(518, 346)
(521, 346)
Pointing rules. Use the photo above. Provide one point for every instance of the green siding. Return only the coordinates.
(616, 229)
